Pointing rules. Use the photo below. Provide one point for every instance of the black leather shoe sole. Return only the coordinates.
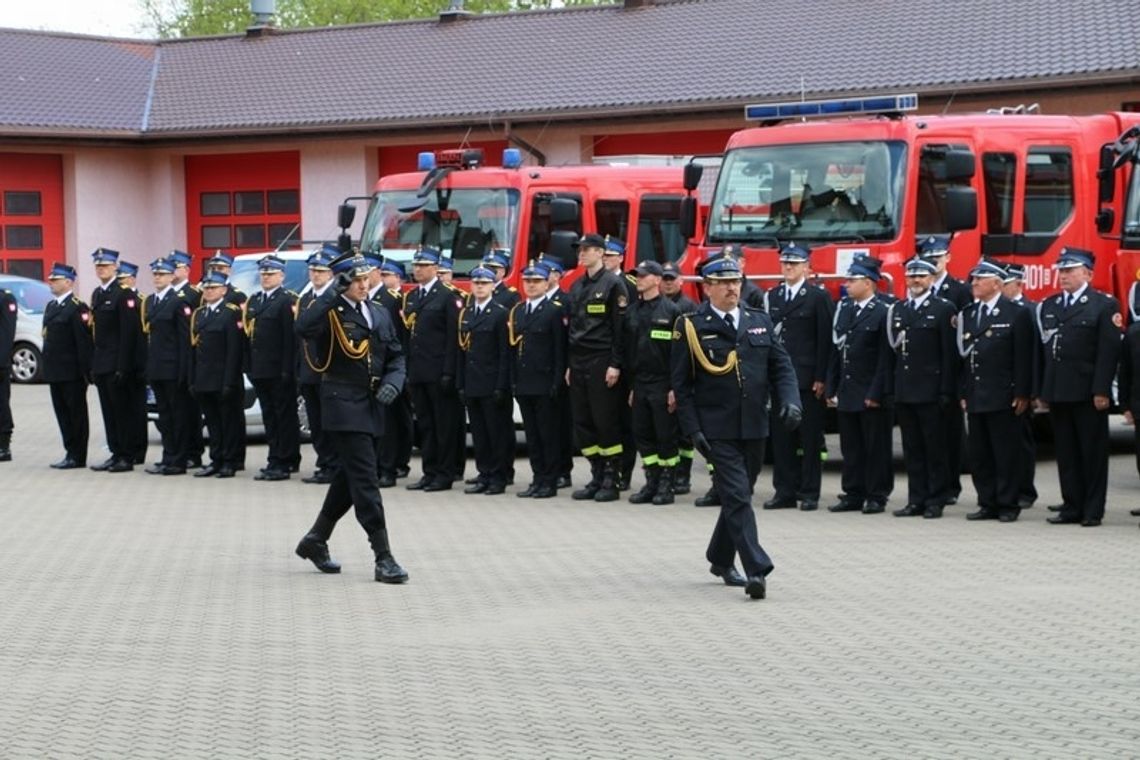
(756, 588)
(809, 505)
(730, 575)
(773, 504)
(271, 475)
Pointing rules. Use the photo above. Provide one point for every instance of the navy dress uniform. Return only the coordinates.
(9, 312)
(222, 263)
(308, 379)
(217, 340)
(188, 408)
(115, 324)
(536, 332)
(498, 260)
(431, 315)
(361, 373)
(272, 367)
(399, 427)
(1012, 288)
(751, 294)
(859, 382)
(166, 322)
(484, 382)
(67, 350)
(801, 315)
(598, 300)
(1080, 332)
(996, 341)
(725, 364)
(557, 295)
(920, 330)
(134, 426)
(648, 341)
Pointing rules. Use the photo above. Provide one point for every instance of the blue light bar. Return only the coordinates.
(512, 158)
(802, 109)
(425, 162)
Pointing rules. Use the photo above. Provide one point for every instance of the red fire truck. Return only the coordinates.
(855, 176)
(463, 208)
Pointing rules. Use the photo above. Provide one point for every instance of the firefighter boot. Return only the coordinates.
(682, 474)
(587, 492)
(609, 487)
(388, 570)
(5, 447)
(315, 549)
(665, 487)
(645, 495)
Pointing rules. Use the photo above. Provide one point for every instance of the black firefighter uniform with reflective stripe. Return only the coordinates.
(596, 342)
(649, 335)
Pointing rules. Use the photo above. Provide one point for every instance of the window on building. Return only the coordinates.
(24, 237)
(284, 202)
(999, 172)
(22, 203)
(249, 236)
(215, 204)
(216, 236)
(1048, 189)
(249, 202)
(33, 268)
(659, 228)
(284, 233)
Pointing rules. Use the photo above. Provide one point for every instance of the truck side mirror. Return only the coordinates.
(961, 208)
(1106, 175)
(345, 213)
(688, 217)
(960, 165)
(692, 176)
(564, 212)
(561, 248)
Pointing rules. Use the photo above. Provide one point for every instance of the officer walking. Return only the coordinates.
(9, 312)
(1080, 330)
(801, 315)
(218, 342)
(272, 367)
(996, 340)
(396, 452)
(597, 312)
(133, 426)
(115, 316)
(1013, 289)
(536, 332)
(309, 363)
(725, 359)
(166, 321)
(920, 330)
(363, 374)
(648, 340)
(67, 364)
(858, 386)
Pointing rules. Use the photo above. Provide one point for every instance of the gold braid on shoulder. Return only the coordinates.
(409, 319)
(512, 339)
(351, 349)
(698, 353)
(194, 339)
(464, 337)
(142, 317)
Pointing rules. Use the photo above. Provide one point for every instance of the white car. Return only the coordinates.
(27, 351)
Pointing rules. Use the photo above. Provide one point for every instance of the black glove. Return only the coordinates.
(701, 444)
(342, 282)
(791, 415)
(387, 393)
(447, 383)
(500, 397)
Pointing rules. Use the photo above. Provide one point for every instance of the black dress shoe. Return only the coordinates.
(272, 475)
(5, 454)
(171, 469)
(194, 463)
(438, 485)
(316, 550)
(386, 481)
(67, 463)
(910, 510)
(756, 587)
(951, 500)
(103, 466)
(1092, 522)
(295, 467)
(846, 506)
(1062, 520)
(154, 469)
(225, 472)
(983, 514)
(476, 487)
(494, 489)
(933, 512)
(809, 505)
(207, 472)
(322, 477)
(141, 459)
(730, 575)
(1025, 503)
(419, 485)
(710, 499)
(527, 492)
(388, 570)
(403, 472)
(1009, 515)
(563, 482)
(471, 481)
(874, 508)
(777, 502)
(1134, 512)
(1055, 507)
(544, 492)
(121, 465)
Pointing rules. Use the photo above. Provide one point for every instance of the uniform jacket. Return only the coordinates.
(597, 314)
(432, 320)
(189, 292)
(1081, 344)
(306, 350)
(355, 361)
(115, 316)
(925, 355)
(9, 313)
(648, 342)
(234, 296)
(392, 301)
(217, 338)
(485, 365)
(1130, 370)
(861, 364)
(752, 295)
(538, 348)
(997, 356)
(137, 368)
(684, 303)
(67, 341)
(167, 325)
(803, 325)
(272, 344)
(505, 295)
(1038, 349)
(956, 292)
(732, 405)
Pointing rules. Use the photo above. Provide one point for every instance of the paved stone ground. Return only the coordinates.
(167, 617)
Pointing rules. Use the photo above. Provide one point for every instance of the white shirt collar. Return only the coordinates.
(793, 290)
(990, 304)
(163, 293)
(61, 300)
(735, 314)
(371, 291)
(865, 301)
(318, 292)
(429, 285)
(1078, 293)
(922, 298)
(267, 293)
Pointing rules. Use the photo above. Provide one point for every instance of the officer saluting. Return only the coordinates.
(308, 379)
(724, 361)
(218, 344)
(67, 364)
(362, 373)
(1080, 331)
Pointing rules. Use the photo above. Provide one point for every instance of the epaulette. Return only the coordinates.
(394, 292)
(76, 301)
(180, 293)
(233, 306)
(291, 293)
(512, 288)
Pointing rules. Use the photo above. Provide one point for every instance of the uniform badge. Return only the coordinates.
(186, 310)
(12, 306)
(84, 316)
(130, 303)
(954, 322)
(757, 330)
(1084, 299)
(621, 302)
(459, 303)
(1117, 320)
(995, 311)
(989, 333)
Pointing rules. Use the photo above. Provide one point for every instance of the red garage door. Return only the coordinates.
(31, 213)
(395, 159)
(663, 143)
(242, 203)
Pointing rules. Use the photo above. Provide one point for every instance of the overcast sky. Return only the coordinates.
(116, 18)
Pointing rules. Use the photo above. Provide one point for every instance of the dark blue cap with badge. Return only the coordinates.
(220, 259)
(394, 267)
(722, 268)
(213, 280)
(482, 274)
(1071, 258)
(353, 264)
(162, 266)
(179, 258)
(934, 245)
(127, 269)
(554, 265)
(590, 240)
(864, 266)
(614, 246)
(988, 268)
(537, 270)
(1014, 272)
(319, 260)
(446, 264)
(498, 257)
(920, 267)
(62, 272)
(426, 256)
(105, 256)
(270, 263)
(794, 253)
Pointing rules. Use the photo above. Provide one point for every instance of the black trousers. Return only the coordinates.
(995, 457)
(1027, 491)
(865, 444)
(797, 456)
(438, 416)
(6, 425)
(69, 400)
(278, 399)
(541, 425)
(597, 409)
(736, 464)
(225, 423)
(565, 431)
(655, 430)
(488, 419)
(167, 396)
(192, 419)
(326, 456)
(924, 439)
(1080, 434)
(355, 484)
(133, 427)
(396, 449)
(954, 421)
(113, 406)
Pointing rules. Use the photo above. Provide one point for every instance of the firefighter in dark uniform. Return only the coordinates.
(996, 341)
(217, 340)
(536, 332)
(920, 330)
(801, 314)
(557, 295)
(431, 315)
(1080, 332)
(1130, 387)
(67, 353)
(396, 452)
(308, 378)
(223, 263)
(483, 380)
(751, 294)
(671, 284)
(859, 387)
(166, 321)
(191, 413)
(9, 313)
(597, 312)
(362, 374)
(498, 260)
(134, 426)
(648, 341)
(272, 367)
(1012, 288)
(114, 312)
(725, 362)
(614, 260)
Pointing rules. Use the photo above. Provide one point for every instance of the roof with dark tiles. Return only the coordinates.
(670, 56)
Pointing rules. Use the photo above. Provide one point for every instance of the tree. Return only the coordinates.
(194, 18)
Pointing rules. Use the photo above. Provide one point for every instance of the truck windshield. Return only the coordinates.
(1131, 226)
(462, 223)
(813, 191)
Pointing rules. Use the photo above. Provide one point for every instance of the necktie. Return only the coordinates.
(529, 309)
(728, 320)
(1068, 300)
